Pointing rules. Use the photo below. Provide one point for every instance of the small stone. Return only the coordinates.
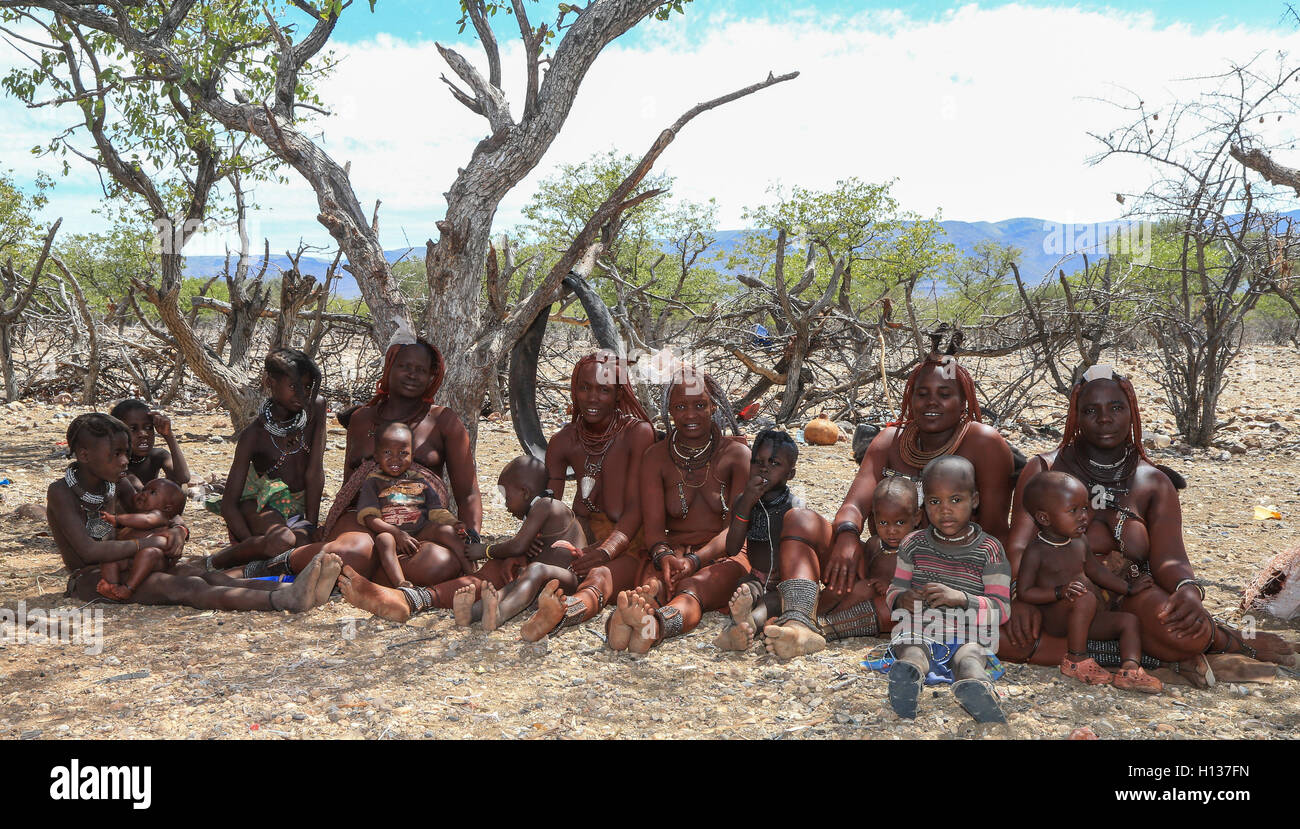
(1083, 733)
(1236, 448)
(216, 439)
(300, 716)
(31, 512)
(1164, 728)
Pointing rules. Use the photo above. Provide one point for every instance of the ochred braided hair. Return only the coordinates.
(625, 399)
(1071, 431)
(438, 369)
(937, 361)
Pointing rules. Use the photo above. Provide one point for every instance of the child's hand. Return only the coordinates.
(757, 487)
(1141, 583)
(587, 559)
(406, 583)
(1075, 589)
(162, 424)
(939, 595)
(878, 587)
(109, 517)
(406, 543)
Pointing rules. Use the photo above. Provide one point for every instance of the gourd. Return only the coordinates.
(821, 431)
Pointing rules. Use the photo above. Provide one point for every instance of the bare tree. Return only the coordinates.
(13, 301)
(1219, 242)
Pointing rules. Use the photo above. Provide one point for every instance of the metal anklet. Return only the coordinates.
(799, 602)
(859, 620)
(670, 621)
(419, 598)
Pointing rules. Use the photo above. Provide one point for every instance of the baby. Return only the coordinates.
(550, 532)
(155, 505)
(1058, 573)
(399, 506)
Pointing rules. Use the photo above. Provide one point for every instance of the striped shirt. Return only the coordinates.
(978, 568)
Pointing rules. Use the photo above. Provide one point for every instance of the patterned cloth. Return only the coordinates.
(347, 494)
(407, 501)
(266, 492)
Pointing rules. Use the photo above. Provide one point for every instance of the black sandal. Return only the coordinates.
(979, 699)
(905, 684)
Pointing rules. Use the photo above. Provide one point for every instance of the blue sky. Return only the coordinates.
(981, 111)
(416, 18)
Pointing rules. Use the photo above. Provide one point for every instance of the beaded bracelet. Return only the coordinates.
(738, 517)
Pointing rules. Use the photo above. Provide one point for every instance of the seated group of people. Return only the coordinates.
(1077, 562)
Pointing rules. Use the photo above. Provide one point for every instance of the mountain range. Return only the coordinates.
(1041, 242)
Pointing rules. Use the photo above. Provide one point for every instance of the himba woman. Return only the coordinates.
(1137, 526)
(688, 483)
(940, 416)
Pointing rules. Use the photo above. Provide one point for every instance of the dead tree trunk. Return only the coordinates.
(13, 301)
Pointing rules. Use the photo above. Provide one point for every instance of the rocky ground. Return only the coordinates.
(176, 672)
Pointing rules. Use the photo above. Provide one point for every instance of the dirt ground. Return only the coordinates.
(174, 672)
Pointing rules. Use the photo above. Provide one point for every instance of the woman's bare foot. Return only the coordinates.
(1269, 647)
(300, 595)
(733, 637)
(330, 567)
(462, 605)
(491, 607)
(384, 602)
(619, 633)
(791, 639)
(642, 620)
(116, 592)
(551, 608)
(1197, 671)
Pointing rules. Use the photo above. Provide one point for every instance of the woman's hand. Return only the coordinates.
(842, 569)
(1024, 624)
(587, 559)
(1074, 590)
(676, 567)
(1184, 614)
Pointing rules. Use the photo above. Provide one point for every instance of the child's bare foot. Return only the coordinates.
(462, 605)
(1086, 671)
(300, 596)
(792, 639)
(551, 607)
(361, 592)
(330, 567)
(491, 607)
(641, 617)
(733, 638)
(116, 592)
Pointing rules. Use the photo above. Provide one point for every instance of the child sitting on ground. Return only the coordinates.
(550, 531)
(399, 506)
(895, 512)
(146, 460)
(155, 506)
(272, 497)
(950, 564)
(1058, 573)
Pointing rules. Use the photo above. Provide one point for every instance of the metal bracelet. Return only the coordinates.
(847, 527)
(1193, 583)
(692, 557)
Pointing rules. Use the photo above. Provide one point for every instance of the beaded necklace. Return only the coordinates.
(597, 446)
(293, 428)
(91, 503)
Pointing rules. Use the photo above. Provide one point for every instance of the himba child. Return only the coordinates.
(154, 506)
(272, 498)
(952, 563)
(1058, 573)
(895, 512)
(399, 505)
(147, 461)
(757, 525)
(550, 529)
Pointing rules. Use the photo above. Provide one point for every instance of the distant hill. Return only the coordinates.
(1040, 241)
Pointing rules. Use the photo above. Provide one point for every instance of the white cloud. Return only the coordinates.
(983, 112)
